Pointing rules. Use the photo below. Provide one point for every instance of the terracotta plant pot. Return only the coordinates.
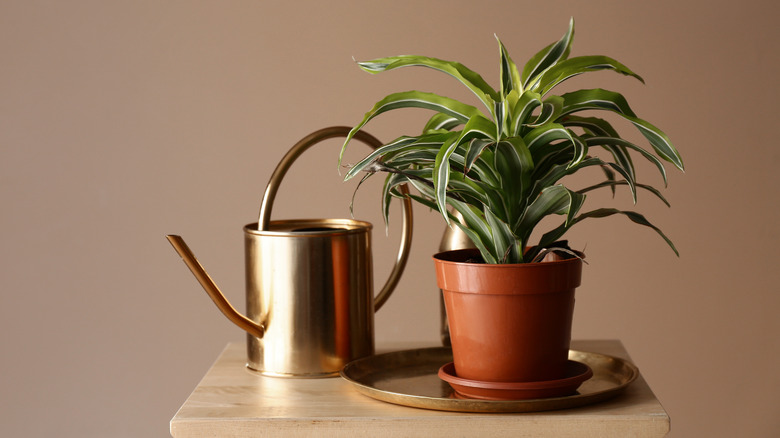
(508, 323)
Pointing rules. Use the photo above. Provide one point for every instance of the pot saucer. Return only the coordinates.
(576, 373)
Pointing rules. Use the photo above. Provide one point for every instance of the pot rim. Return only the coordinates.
(507, 279)
(441, 257)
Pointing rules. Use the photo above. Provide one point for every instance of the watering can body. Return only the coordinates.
(309, 284)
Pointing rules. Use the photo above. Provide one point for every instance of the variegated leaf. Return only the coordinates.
(391, 182)
(548, 57)
(600, 99)
(441, 121)
(514, 163)
(366, 162)
(482, 234)
(551, 110)
(632, 215)
(510, 76)
(613, 184)
(627, 176)
(552, 200)
(477, 127)
(504, 241)
(592, 125)
(549, 175)
(576, 66)
(414, 99)
(526, 162)
(466, 76)
(541, 137)
(500, 114)
(520, 112)
(474, 224)
(474, 150)
(605, 141)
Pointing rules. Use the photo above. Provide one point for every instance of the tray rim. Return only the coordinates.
(488, 406)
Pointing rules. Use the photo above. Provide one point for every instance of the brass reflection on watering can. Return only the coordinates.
(309, 283)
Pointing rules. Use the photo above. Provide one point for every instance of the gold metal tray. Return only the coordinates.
(409, 378)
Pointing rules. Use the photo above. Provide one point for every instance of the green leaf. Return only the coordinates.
(541, 137)
(576, 66)
(441, 121)
(481, 234)
(548, 56)
(362, 165)
(596, 98)
(474, 150)
(554, 235)
(511, 100)
(633, 216)
(475, 238)
(520, 112)
(596, 127)
(428, 142)
(510, 76)
(475, 225)
(660, 142)
(599, 99)
(466, 76)
(441, 175)
(514, 164)
(592, 125)
(477, 127)
(419, 99)
(500, 119)
(504, 242)
(557, 171)
(603, 141)
(414, 99)
(546, 175)
(552, 200)
(551, 109)
(391, 182)
(466, 187)
(420, 155)
(613, 184)
(394, 180)
(525, 161)
(627, 176)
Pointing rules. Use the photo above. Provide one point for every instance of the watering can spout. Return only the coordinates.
(211, 288)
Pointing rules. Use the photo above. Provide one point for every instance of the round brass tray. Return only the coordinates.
(409, 378)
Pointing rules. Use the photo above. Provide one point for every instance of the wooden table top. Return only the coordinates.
(232, 400)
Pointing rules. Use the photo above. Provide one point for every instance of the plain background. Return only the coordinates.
(121, 122)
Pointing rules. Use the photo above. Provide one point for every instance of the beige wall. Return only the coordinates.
(123, 121)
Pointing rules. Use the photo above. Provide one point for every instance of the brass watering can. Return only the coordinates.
(309, 283)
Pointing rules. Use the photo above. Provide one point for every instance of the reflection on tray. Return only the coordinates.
(409, 378)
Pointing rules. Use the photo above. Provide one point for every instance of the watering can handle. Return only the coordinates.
(305, 143)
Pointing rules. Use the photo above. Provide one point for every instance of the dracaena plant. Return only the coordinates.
(501, 166)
